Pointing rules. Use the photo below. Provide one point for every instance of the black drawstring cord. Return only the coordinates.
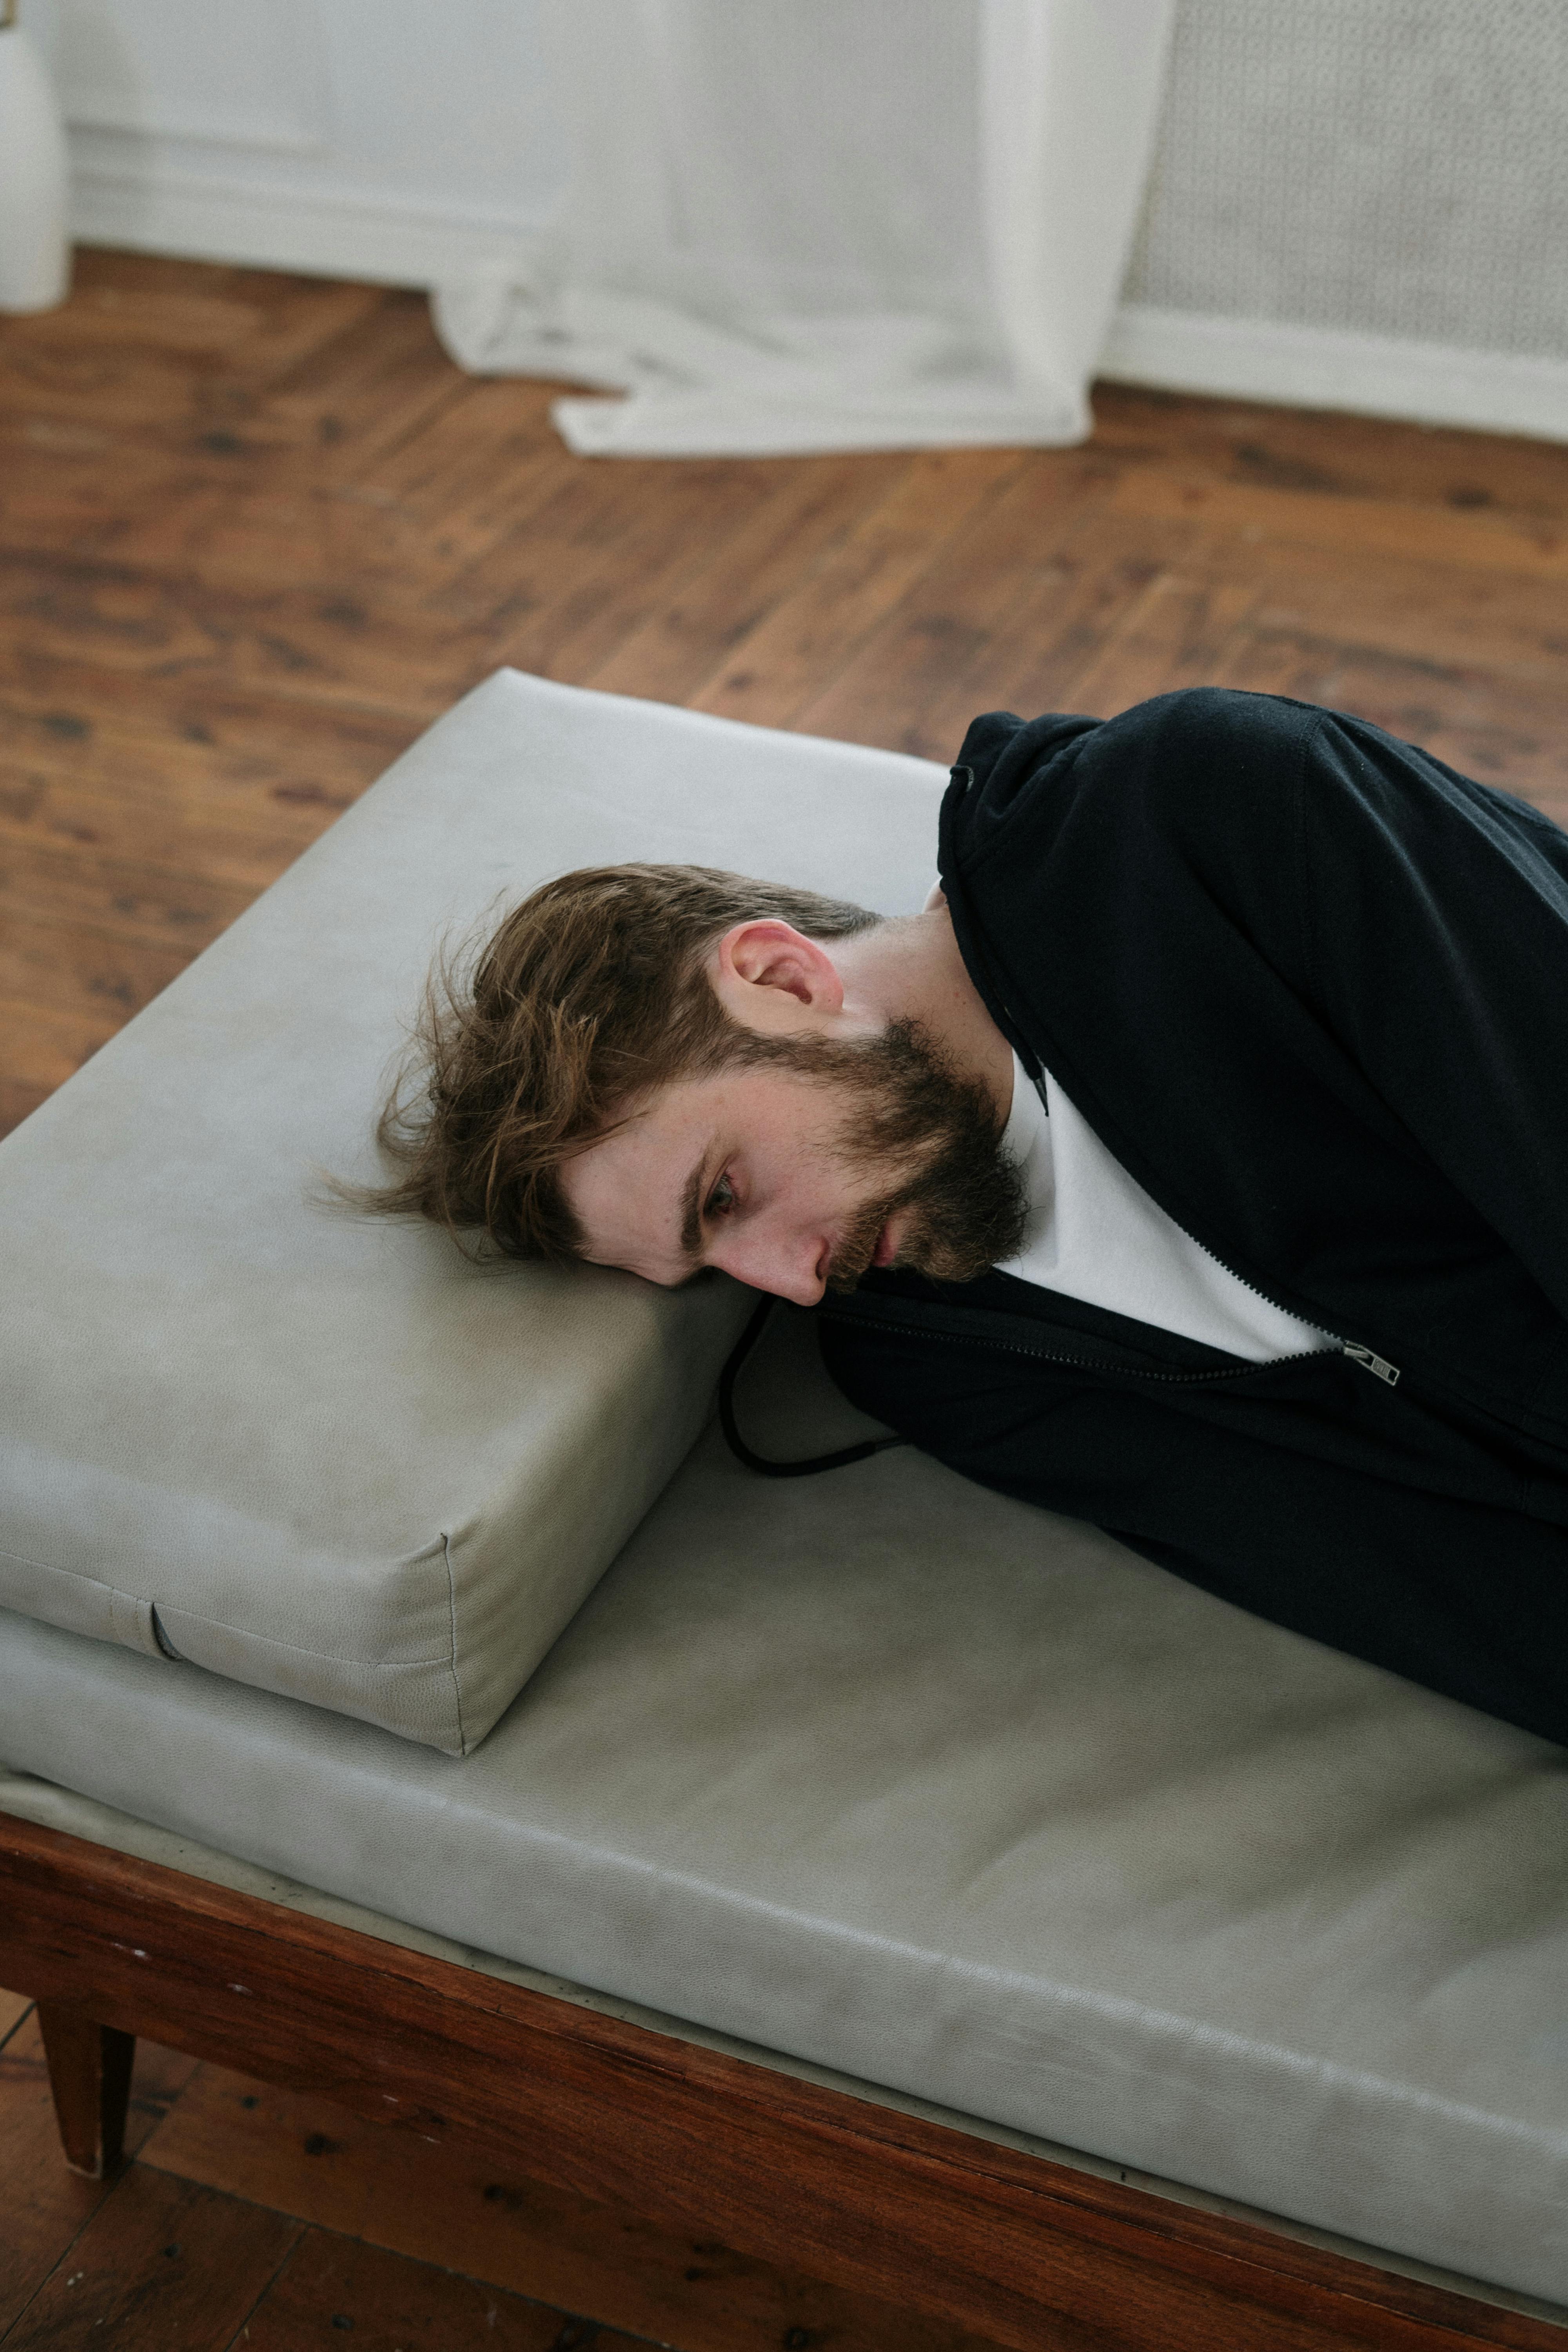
(737, 1444)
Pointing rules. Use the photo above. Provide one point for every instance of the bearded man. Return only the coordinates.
(1196, 1162)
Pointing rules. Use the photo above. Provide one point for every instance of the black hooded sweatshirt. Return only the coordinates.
(1310, 987)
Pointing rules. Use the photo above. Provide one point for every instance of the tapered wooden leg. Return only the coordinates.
(89, 2075)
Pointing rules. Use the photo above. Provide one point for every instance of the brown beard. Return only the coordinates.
(904, 1105)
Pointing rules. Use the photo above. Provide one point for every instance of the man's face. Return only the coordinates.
(795, 1174)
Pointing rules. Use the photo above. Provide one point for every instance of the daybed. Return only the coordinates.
(397, 1699)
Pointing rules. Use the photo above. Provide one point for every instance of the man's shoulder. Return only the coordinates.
(1194, 752)
(1203, 731)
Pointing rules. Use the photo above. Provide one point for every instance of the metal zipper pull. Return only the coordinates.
(1374, 1362)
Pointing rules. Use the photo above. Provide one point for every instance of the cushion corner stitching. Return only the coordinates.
(452, 1602)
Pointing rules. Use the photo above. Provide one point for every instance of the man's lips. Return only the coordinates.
(853, 1255)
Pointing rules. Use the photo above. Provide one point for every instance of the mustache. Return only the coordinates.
(965, 1206)
(857, 1247)
(908, 1110)
(967, 1211)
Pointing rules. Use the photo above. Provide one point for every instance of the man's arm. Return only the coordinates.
(1436, 920)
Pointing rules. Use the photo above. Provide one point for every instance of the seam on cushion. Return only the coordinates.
(118, 1599)
(295, 1649)
(457, 1685)
(131, 1623)
(26, 1560)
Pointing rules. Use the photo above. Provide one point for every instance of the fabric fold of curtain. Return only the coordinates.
(824, 224)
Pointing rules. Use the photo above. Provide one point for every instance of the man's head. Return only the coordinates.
(658, 1068)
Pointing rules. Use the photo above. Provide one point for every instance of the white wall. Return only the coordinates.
(1361, 203)
(364, 138)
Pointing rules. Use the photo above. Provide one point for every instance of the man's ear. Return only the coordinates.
(772, 978)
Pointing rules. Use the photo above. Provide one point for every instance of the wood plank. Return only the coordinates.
(1024, 598)
(1248, 442)
(261, 321)
(475, 454)
(51, 486)
(40, 810)
(213, 795)
(299, 643)
(656, 572)
(184, 361)
(43, 1045)
(254, 410)
(82, 971)
(330, 2287)
(111, 382)
(364, 389)
(298, 2154)
(19, 1100)
(1216, 622)
(356, 510)
(775, 667)
(127, 899)
(481, 462)
(14, 2006)
(788, 541)
(1513, 734)
(607, 550)
(172, 741)
(45, 2205)
(414, 501)
(476, 471)
(1180, 632)
(1486, 622)
(1534, 547)
(160, 2264)
(246, 485)
(962, 2228)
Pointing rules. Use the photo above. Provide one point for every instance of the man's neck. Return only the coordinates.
(912, 970)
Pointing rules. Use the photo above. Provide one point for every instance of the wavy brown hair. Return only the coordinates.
(536, 1040)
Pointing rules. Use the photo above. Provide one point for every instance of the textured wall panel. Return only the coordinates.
(1392, 167)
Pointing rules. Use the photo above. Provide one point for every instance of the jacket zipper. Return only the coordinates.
(1044, 1354)
(1367, 1358)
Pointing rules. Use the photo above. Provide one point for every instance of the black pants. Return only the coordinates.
(1376, 1521)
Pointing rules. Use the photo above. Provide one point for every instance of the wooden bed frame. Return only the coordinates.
(1031, 2253)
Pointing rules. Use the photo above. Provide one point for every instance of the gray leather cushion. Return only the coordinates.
(25, 1797)
(323, 1456)
(925, 1785)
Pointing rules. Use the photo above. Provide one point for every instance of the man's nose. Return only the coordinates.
(792, 1268)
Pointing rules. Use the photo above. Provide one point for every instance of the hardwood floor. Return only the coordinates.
(255, 532)
(250, 2217)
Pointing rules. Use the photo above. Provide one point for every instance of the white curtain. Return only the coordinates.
(808, 225)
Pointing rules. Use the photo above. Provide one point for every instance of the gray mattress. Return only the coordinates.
(930, 1787)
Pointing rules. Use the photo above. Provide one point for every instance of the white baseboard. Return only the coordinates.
(1325, 367)
(322, 232)
(336, 236)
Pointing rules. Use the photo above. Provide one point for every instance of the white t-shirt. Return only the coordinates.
(1097, 1235)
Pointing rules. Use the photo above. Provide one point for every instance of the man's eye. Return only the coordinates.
(720, 1198)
